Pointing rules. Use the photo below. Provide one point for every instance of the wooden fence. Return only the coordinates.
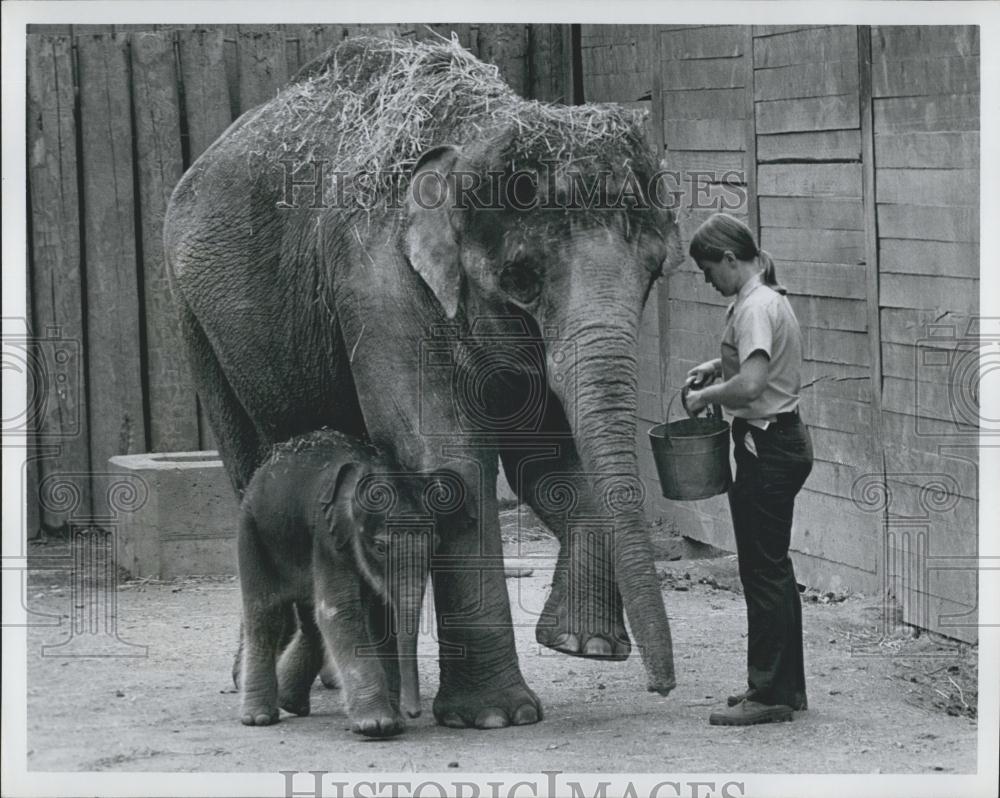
(854, 153)
(115, 116)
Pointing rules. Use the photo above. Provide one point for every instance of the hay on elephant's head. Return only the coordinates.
(392, 99)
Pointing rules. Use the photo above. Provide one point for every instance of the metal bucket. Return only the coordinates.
(692, 456)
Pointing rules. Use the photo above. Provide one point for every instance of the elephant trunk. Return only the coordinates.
(599, 395)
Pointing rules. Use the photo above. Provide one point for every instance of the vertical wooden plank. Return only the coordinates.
(654, 65)
(654, 68)
(872, 275)
(570, 54)
(546, 58)
(206, 92)
(173, 410)
(871, 236)
(55, 277)
(230, 47)
(750, 163)
(263, 67)
(113, 322)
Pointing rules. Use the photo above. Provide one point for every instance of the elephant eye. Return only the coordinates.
(521, 282)
(381, 547)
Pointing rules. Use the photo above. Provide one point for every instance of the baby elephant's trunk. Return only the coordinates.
(412, 551)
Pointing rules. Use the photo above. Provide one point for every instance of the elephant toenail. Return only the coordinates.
(525, 715)
(597, 647)
(453, 721)
(567, 642)
(491, 719)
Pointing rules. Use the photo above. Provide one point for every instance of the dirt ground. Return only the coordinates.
(878, 704)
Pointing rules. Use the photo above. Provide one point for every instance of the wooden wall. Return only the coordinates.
(925, 105)
(853, 152)
(115, 116)
(812, 218)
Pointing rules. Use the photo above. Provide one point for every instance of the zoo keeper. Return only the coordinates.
(760, 368)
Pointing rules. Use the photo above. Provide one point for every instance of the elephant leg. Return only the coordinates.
(481, 681)
(343, 616)
(583, 613)
(328, 675)
(234, 431)
(409, 410)
(262, 632)
(237, 438)
(384, 647)
(263, 620)
(299, 663)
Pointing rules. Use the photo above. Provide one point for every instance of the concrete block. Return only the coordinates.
(188, 523)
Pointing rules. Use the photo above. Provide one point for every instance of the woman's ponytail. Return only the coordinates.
(770, 277)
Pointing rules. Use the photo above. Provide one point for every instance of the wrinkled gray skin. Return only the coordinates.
(311, 535)
(299, 318)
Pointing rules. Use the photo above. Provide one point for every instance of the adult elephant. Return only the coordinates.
(494, 310)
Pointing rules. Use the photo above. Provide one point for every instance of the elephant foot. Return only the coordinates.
(295, 702)
(377, 724)
(251, 715)
(493, 709)
(295, 680)
(591, 636)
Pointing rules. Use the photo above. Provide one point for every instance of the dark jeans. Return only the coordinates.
(761, 500)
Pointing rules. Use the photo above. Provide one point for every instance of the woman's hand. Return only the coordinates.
(703, 375)
(696, 401)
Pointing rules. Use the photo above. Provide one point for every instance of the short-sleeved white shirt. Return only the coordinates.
(762, 319)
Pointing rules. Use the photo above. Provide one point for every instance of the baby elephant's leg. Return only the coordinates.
(264, 614)
(300, 662)
(328, 674)
(343, 621)
(262, 624)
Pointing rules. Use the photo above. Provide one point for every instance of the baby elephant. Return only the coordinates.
(314, 533)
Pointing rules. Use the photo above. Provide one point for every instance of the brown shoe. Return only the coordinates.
(750, 713)
(800, 705)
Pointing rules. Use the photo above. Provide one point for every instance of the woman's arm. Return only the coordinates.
(738, 391)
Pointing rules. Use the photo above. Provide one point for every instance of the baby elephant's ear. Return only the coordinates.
(340, 505)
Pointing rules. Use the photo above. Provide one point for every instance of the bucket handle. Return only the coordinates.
(712, 411)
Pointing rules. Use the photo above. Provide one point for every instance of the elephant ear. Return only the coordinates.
(345, 520)
(431, 240)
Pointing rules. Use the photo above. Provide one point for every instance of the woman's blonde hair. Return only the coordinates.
(721, 233)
